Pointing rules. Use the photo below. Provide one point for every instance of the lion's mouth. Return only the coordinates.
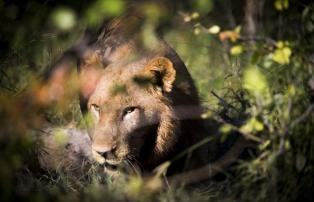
(114, 168)
(111, 167)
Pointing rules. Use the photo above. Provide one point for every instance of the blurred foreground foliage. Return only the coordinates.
(252, 55)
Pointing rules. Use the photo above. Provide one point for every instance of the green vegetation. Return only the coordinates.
(252, 62)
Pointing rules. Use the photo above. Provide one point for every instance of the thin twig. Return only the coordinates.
(223, 102)
(307, 112)
(267, 40)
(211, 169)
(284, 135)
(298, 120)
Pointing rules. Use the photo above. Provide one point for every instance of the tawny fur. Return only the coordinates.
(169, 101)
(176, 101)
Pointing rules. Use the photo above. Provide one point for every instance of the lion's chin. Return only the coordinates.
(112, 173)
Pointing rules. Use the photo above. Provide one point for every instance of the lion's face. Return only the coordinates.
(133, 122)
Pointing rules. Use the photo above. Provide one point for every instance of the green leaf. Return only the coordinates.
(291, 90)
(253, 125)
(238, 29)
(215, 29)
(258, 126)
(112, 7)
(281, 5)
(223, 137)
(255, 57)
(280, 44)
(195, 15)
(63, 18)
(264, 145)
(104, 8)
(254, 81)
(282, 55)
(197, 31)
(135, 185)
(225, 128)
(268, 61)
(203, 6)
(236, 50)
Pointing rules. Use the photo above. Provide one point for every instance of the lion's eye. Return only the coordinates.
(95, 107)
(128, 110)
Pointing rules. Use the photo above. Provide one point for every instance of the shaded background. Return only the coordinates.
(251, 59)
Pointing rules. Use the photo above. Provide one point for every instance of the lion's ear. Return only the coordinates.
(90, 71)
(162, 72)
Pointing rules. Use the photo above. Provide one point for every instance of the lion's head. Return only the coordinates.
(133, 122)
(142, 100)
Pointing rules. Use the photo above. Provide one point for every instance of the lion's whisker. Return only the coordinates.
(135, 170)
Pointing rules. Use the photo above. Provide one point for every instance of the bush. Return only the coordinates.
(253, 67)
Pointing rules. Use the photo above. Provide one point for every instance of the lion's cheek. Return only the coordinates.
(130, 122)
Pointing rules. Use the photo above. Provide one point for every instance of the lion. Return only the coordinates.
(143, 105)
(141, 109)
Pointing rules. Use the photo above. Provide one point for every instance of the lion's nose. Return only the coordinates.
(108, 153)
